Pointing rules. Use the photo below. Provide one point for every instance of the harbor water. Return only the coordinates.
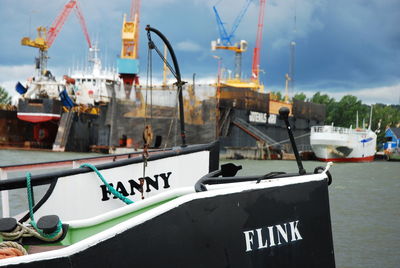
(364, 200)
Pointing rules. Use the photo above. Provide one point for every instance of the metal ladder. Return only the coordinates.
(63, 132)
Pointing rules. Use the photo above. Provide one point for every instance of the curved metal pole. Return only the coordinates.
(284, 113)
(178, 78)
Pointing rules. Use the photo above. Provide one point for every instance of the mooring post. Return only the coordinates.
(284, 114)
(5, 203)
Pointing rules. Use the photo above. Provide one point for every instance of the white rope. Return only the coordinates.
(27, 231)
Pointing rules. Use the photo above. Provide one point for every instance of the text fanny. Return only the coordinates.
(142, 184)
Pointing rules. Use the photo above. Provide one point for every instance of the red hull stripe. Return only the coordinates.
(38, 117)
(353, 159)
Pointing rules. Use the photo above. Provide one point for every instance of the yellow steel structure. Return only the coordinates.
(253, 85)
(39, 41)
(237, 49)
(130, 38)
(288, 79)
(128, 62)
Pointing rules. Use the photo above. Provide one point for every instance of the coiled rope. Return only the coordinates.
(10, 249)
(26, 231)
(109, 187)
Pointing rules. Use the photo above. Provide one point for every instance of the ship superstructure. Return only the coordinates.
(96, 84)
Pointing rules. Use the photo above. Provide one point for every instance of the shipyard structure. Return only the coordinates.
(109, 111)
(243, 119)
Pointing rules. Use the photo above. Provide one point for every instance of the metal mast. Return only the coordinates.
(255, 70)
(292, 60)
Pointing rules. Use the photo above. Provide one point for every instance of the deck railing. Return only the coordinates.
(332, 129)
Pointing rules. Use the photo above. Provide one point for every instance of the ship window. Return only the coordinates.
(388, 139)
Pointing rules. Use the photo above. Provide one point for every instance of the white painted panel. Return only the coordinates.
(80, 196)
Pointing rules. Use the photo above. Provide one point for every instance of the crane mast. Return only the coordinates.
(255, 70)
(46, 37)
(128, 63)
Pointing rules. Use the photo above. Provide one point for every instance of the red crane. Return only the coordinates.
(46, 37)
(255, 70)
(55, 28)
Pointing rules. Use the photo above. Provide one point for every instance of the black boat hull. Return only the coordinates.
(39, 110)
(286, 225)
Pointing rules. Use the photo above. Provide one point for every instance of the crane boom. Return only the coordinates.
(225, 37)
(135, 8)
(239, 18)
(57, 24)
(81, 19)
(226, 40)
(256, 55)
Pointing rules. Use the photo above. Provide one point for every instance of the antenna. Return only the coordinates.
(292, 65)
(292, 48)
(295, 16)
(370, 118)
(357, 120)
(399, 99)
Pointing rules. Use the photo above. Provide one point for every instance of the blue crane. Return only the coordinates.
(226, 39)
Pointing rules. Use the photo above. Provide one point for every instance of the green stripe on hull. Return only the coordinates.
(75, 235)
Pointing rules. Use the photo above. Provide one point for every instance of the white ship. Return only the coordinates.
(96, 84)
(340, 144)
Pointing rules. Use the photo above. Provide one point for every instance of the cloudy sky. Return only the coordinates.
(343, 47)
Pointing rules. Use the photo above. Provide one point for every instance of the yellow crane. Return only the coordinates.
(128, 63)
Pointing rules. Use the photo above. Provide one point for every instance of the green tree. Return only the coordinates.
(277, 95)
(5, 98)
(344, 112)
(321, 99)
(384, 116)
(330, 104)
(300, 96)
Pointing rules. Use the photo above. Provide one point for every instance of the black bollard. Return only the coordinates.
(284, 115)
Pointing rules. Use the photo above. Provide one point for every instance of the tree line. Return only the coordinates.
(342, 113)
(5, 98)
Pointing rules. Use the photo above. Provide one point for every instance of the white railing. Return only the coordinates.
(332, 129)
